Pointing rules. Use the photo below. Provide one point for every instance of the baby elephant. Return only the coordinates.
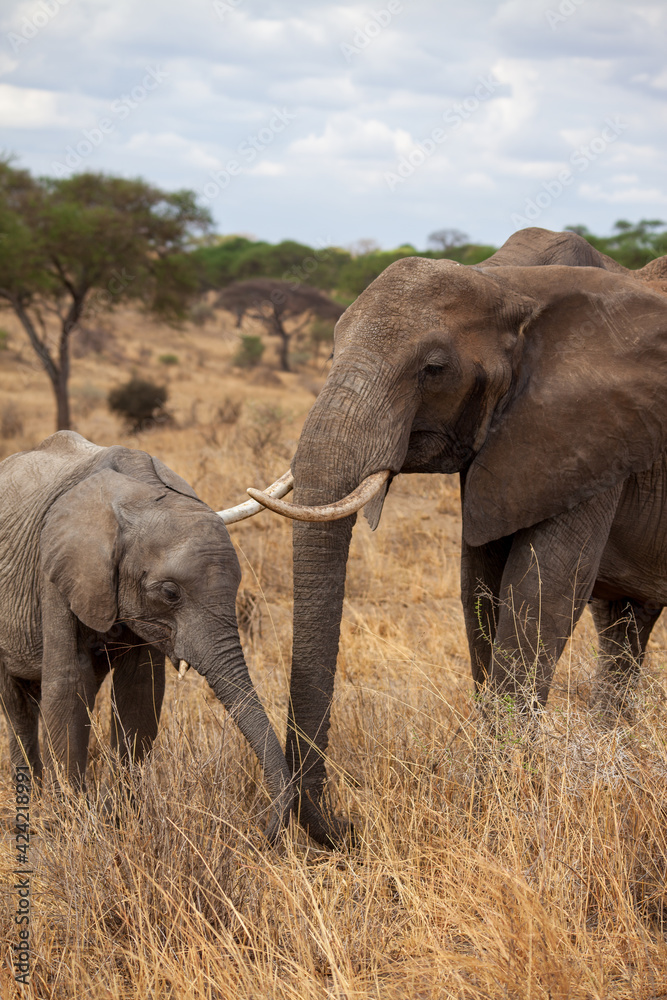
(110, 560)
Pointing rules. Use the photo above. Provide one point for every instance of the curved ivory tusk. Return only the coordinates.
(328, 512)
(280, 488)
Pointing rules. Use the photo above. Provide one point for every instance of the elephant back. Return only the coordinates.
(30, 482)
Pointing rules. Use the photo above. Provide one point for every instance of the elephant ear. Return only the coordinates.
(144, 468)
(588, 404)
(172, 480)
(80, 545)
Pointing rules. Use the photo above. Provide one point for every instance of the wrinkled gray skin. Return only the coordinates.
(544, 386)
(108, 559)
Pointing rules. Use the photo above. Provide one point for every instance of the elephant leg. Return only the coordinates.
(481, 579)
(138, 690)
(624, 627)
(70, 682)
(20, 702)
(548, 578)
(68, 699)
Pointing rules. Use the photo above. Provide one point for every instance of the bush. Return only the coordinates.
(264, 428)
(4, 340)
(250, 352)
(229, 410)
(168, 359)
(139, 402)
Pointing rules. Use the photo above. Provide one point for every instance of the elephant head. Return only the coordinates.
(132, 544)
(541, 385)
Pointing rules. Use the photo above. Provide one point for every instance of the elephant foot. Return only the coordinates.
(328, 830)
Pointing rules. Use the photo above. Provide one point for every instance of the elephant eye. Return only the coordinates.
(170, 592)
(429, 372)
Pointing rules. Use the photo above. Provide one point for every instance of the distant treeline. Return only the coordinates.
(237, 258)
(345, 274)
(632, 244)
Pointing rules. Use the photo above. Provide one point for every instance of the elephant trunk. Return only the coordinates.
(350, 433)
(225, 670)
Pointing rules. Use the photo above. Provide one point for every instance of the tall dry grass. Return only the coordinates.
(482, 871)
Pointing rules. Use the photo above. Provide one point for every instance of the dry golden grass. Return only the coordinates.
(481, 872)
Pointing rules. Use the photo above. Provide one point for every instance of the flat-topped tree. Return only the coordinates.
(274, 303)
(447, 239)
(76, 246)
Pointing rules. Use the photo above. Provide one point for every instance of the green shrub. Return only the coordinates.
(168, 359)
(4, 340)
(250, 352)
(139, 402)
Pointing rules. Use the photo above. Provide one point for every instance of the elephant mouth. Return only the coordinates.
(436, 451)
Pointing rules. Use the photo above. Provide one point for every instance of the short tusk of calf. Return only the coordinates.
(182, 668)
(280, 488)
(328, 512)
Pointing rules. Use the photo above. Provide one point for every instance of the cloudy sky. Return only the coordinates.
(335, 122)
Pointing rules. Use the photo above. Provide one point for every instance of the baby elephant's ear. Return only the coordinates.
(79, 547)
(172, 479)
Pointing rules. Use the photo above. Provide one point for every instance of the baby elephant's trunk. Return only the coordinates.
(228, 675)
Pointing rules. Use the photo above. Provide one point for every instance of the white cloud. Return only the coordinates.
(324, 174)
(634, 196)
(267, 168)
(28, 109)
(349, 137)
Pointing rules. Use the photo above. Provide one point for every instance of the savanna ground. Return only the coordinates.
(480, 872)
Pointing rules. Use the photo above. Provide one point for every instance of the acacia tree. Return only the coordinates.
(447, 239)
(275, 303)
(80, 245)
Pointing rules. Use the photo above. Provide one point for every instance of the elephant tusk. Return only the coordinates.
(328, 512)
(182, 668)
(280, 488)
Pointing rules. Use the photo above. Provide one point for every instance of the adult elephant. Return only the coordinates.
(536, 247)
(111, 561)
(544, 387)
